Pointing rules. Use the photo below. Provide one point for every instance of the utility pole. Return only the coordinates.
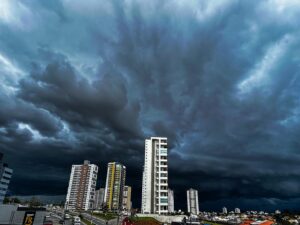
(92, 213)
(91, 218)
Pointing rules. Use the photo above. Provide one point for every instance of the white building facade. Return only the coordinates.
(82, 185)
(237, 211)
(155, 177)
(192, 201)
(170, 201)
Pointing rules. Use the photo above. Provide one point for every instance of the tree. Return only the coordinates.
(11, 200)
(34, 202)
(62, 204)
(6, 200)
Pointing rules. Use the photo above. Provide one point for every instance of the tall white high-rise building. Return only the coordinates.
(237, 211)
(224, 210)
(192, 201)
(82, 185)
(155, 176)
(170, 201)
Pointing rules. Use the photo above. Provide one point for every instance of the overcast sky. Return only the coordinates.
(92, 79)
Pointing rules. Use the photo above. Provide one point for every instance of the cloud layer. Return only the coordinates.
(92, 80)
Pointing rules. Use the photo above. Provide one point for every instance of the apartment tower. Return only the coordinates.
(170, 201)
(82, 185)
(192, 201)
(115, 182)
(5, 176)
(127, 199)
(155, 176)
(99, 198)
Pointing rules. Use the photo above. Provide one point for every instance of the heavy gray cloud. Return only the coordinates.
(91, 80)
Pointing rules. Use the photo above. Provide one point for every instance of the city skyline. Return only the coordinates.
(91, 81)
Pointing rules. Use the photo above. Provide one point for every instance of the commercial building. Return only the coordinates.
(127, 199)
(115, 182)
(170, 201)
(82, 185)
(17, 215)
(99, 198)
(5, 177)
(155, 176)
(192, 201)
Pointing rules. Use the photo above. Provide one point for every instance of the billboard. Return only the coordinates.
(28, 218)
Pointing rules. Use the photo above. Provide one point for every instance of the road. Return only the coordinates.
(55, 218)
(98, 221)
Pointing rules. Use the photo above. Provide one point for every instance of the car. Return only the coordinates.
(77, 220)
(48, 222)
(61, 221)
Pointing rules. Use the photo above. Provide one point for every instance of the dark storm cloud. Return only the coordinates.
(220, 79)
(80, 102)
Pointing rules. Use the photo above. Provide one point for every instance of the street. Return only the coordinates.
(98, 221)
(55, 218)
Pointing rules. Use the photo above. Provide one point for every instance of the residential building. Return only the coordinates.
(170, 201)
(5, 177)
(99, 198)
(277, 211)
(115, 182)
(192, 201)
(224, 210)
(127, 199)
(82, 185)
(155, 176)
(237, 211)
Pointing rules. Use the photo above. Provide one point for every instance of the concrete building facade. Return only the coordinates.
(237, 211)
(115, 182)
(82, 185)
(170, 201)
(5, 177)
(155, 176)
(192, 201)
(127, 199)
(99, 198)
